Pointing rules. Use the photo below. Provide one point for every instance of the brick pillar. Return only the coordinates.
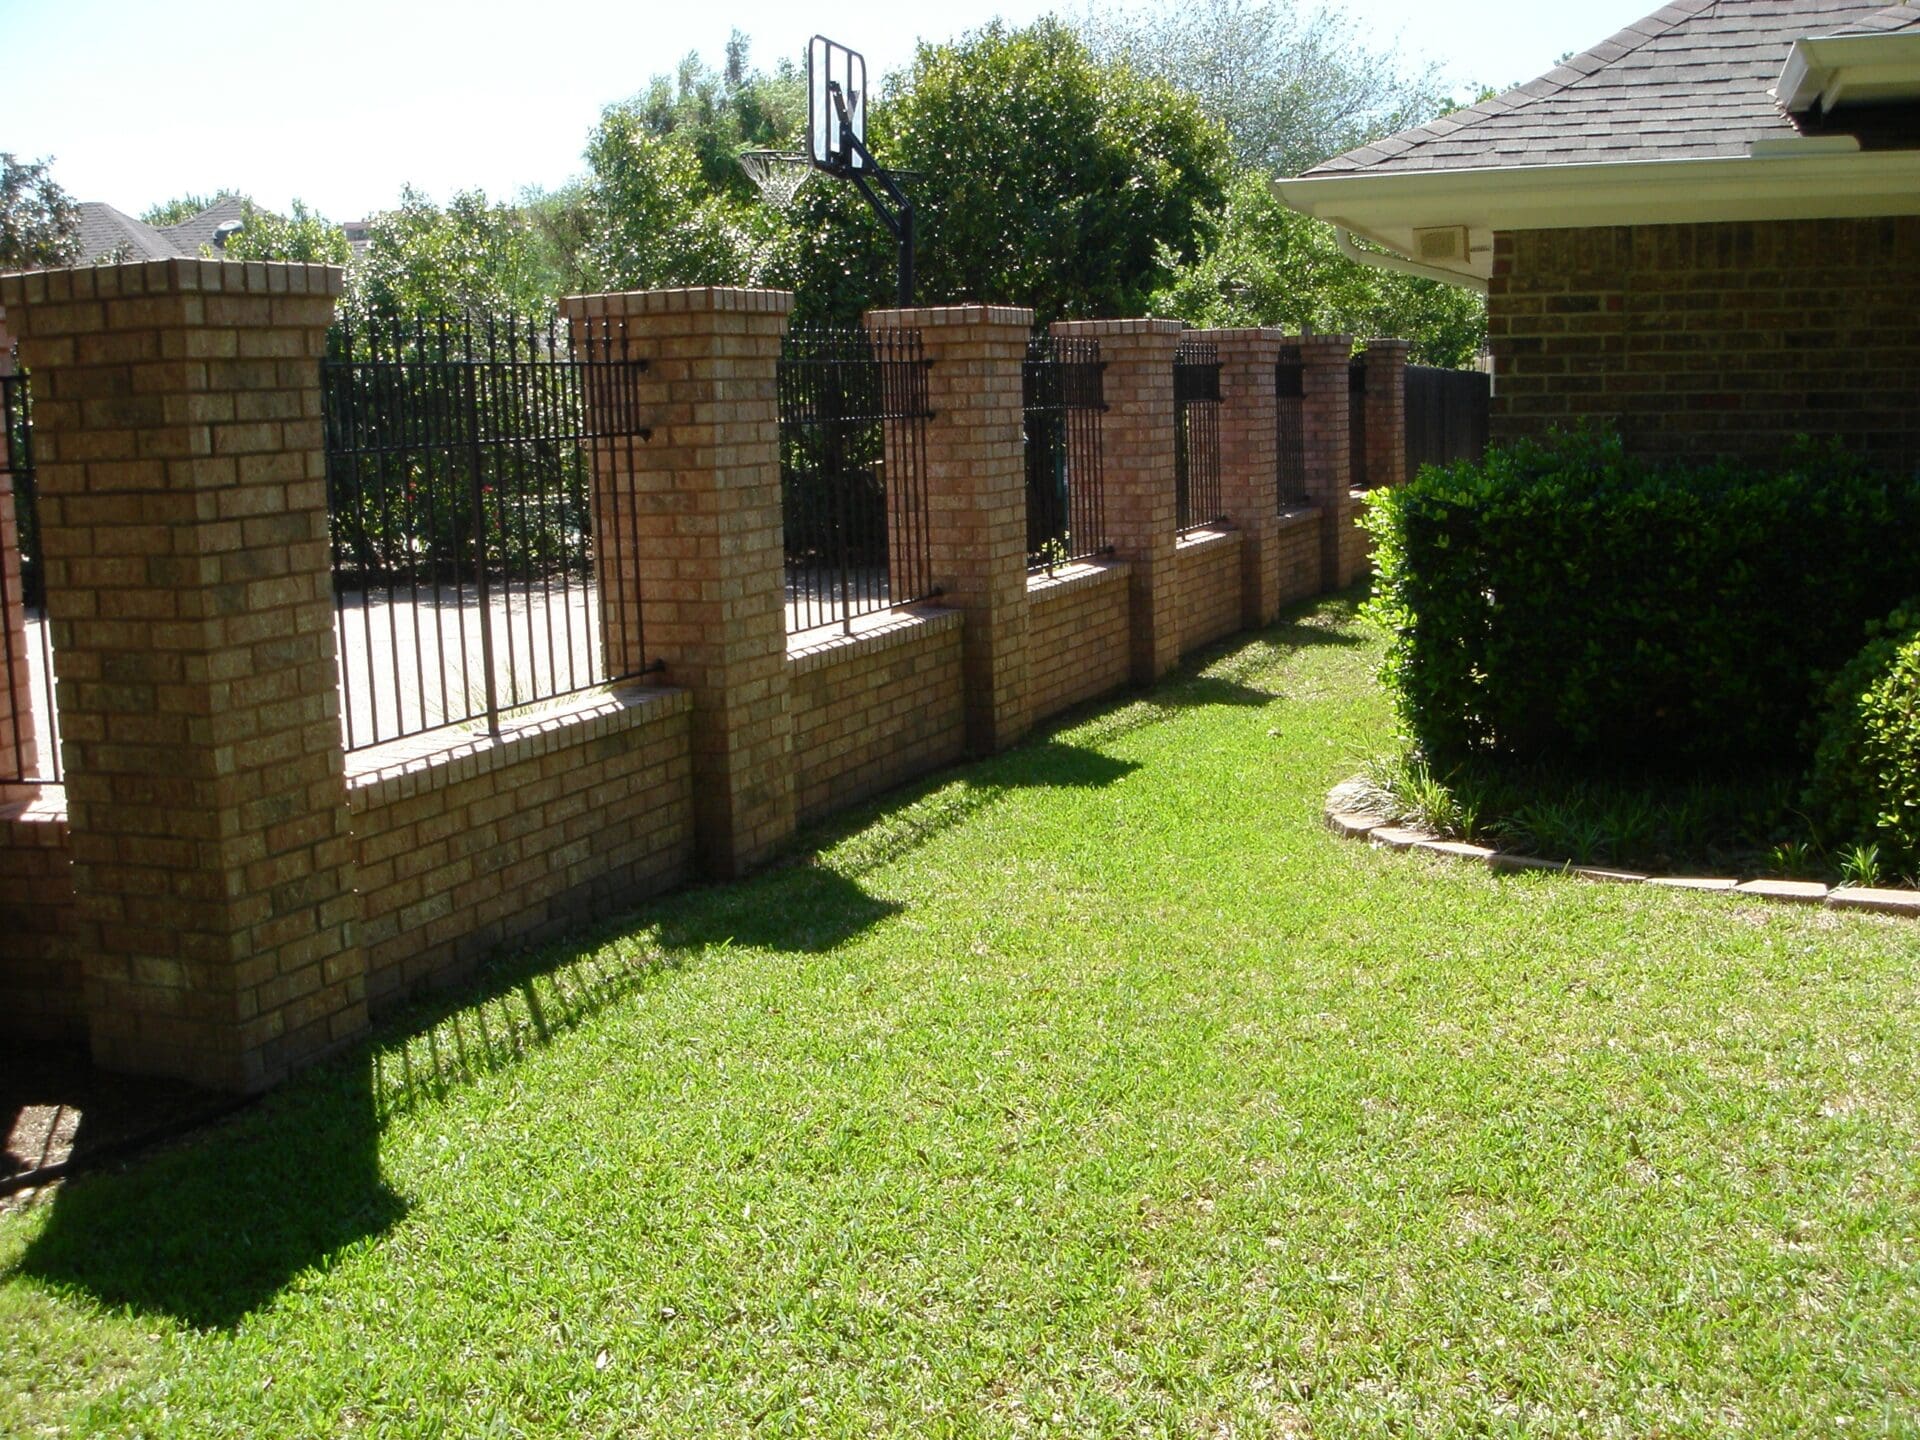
(19, 744)
(1137, 448)
(1325, 424)
(1249, 461)
(1387, 412)
(183, 513)
(700, 535)
(977, 500)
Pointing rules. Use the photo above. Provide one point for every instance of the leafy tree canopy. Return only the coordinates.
(1274, 266)
(185, 207)
(1050, 178)
(1291, 88)
(475, 254)
(305, 235)
(39, 222)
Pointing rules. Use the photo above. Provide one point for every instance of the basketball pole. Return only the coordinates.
(898, 219)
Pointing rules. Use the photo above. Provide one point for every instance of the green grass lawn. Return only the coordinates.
(1092, 1090)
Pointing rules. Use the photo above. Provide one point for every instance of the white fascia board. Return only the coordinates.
(1828, 70)
(1819, 185)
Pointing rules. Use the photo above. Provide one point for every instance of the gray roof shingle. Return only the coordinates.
(1693, 80)
(105, 231)
(197, 230)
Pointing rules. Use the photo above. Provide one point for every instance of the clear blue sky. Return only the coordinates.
(342, 103)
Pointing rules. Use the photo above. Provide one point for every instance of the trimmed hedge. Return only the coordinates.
(1865, 786)
(1562, 600)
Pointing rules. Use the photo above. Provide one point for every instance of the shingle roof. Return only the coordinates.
(106, 231)
(1693, 80)
(197, 230)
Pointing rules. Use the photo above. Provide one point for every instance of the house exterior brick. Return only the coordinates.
(1712, 339)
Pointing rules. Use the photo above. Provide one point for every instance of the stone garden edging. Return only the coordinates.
(1375, 830)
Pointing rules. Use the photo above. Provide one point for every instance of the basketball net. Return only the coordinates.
(779, 174)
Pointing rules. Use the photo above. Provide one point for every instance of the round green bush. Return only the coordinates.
(1865, 786)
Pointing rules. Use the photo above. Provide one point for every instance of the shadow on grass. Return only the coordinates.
(208, 1231)
(861, 840)
(212, 1229)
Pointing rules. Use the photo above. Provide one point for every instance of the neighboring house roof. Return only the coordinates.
(197, 231)
(105, 231)
(1674, 119)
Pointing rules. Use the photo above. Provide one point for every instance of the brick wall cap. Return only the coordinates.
(1320, 347)
(1103, 329)
(703, 299)
(930, 317)
(1244, 335)
(1387, 347)
(170, 277)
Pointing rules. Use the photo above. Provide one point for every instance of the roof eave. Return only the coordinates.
(1819, 185)
(1825, 71)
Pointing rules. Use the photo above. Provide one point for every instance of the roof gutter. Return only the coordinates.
(1392, 260)
(1799, 181)
(1825, 71)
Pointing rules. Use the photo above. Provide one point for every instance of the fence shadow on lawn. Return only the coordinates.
(209, 1230)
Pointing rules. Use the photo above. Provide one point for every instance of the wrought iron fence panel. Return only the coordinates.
(462, 506)
(853, 464)
(1196, 436)
(29, 718)
(1447, 413)
(1290, 433)
(1063, 395)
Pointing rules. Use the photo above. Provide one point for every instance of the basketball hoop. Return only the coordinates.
(779, 174)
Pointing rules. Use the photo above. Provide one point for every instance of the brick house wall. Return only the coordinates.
(1701, 340)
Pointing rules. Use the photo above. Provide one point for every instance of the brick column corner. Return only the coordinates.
(1325, 362)
(1387, 412)
(20, 744)
(183, 515)
(697, 550)
(977, 499)
(1249, 460)
(1137, 445)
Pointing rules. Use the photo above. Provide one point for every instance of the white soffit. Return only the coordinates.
(1810, 184)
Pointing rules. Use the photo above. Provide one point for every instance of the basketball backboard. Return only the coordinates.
(835, 73)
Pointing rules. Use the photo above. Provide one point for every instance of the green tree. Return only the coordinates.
(653, 215)
(39, 222)
(1049, 178)
(185, 207)
(1274, 266)
(1291, 88)
(305, 235)
(474, 254)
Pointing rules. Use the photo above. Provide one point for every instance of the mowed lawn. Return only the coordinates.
(1093, 1090)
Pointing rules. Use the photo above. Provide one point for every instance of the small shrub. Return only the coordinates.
(1563, 601)
(1865, 784)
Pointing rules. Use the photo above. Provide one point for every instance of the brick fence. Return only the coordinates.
(220, 892)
